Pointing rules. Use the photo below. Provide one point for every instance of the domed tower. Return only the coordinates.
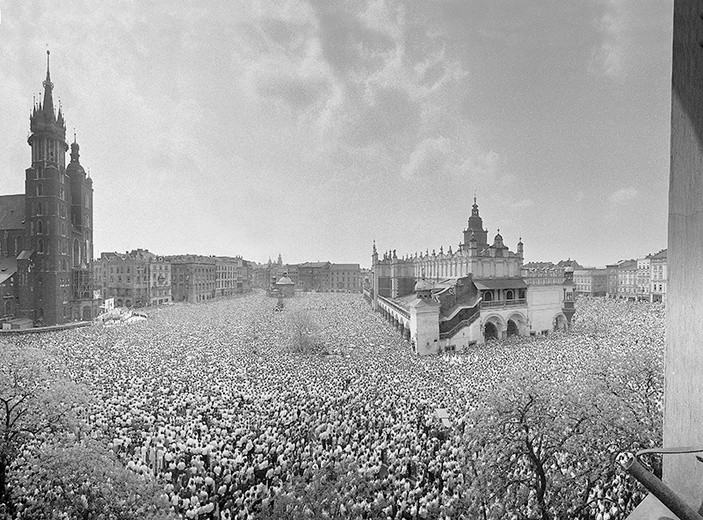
(475, 229)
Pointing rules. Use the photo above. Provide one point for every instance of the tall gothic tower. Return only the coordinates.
(54, 267)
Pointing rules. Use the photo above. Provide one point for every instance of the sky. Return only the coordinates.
(311, 128)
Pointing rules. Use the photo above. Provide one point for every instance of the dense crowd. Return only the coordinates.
(210, 400)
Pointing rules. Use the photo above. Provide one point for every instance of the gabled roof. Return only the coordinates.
(8, 267)
(499, 283)
(336, 267)
(12, 211)
(314, 264)
(661, 254)
(628, 264)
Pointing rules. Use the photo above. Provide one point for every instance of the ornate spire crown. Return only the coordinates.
(48, 105)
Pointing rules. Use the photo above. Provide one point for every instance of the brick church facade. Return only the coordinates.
(46, 235)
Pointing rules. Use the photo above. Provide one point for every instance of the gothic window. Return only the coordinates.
(40, 190)
(40, 246)
(31, 227)
(40, 227)
(76, 253)
(40, 210)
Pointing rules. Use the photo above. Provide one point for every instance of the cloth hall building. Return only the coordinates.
(449, 301)
(46, 233)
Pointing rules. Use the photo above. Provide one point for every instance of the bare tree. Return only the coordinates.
(35, 400)
(84, 480)
(304, 333)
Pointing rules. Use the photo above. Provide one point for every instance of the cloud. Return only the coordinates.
(608, 54)
(428, 159)
(623, 195)
(360, 72)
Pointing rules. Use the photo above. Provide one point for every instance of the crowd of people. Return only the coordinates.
(211, 400)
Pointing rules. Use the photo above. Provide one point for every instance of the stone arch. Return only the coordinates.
(509, 294)
(516, 325)
(490, 331)
(560, 322)
(487, 296)
(493, 327)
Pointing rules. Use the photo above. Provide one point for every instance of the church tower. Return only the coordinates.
(47, 277)
(475, 230)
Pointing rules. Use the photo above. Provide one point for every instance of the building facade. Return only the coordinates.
(591, 281)
(627, 279)
(233, 275)
(315, 276)
(345, 278)
(451, 301)
(643, 280)
(193, 278)
(659, 274)
(134, 279)
(48, 231)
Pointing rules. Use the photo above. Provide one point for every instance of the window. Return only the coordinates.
(76, 253)
(40, 246)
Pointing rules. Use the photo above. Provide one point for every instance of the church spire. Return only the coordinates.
(48, 106)
(74, 149)
(474, 208)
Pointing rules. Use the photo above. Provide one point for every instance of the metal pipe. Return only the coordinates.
(660, 490)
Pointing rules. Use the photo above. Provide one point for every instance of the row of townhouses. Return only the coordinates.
(312, 276)
(139, 278)
(641, 279)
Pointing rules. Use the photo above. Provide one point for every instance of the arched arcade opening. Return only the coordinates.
(490, 331)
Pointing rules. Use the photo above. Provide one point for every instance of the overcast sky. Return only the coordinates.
(311, 128)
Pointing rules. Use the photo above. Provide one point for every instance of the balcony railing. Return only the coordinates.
(403, 312)
(503, 303)
(463, 323)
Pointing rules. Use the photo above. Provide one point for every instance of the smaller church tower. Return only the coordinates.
(81, 247)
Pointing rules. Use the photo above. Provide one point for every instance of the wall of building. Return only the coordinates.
(544, 303)
(463, 340)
